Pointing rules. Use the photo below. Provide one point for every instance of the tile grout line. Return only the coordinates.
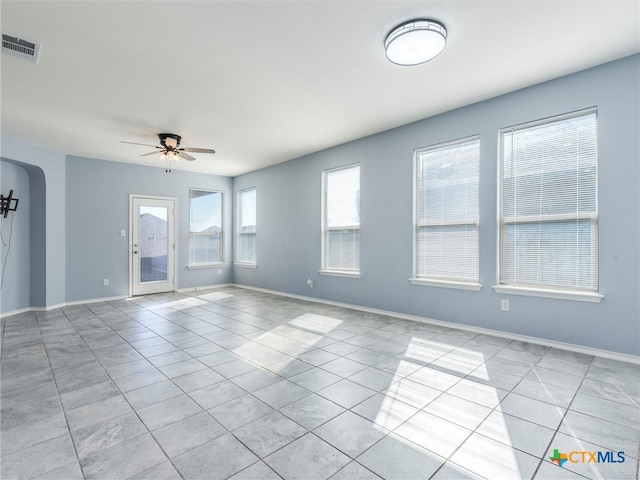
(260, 459)
(123, 397)
(566, 411)
(359, 343)
(64, 411)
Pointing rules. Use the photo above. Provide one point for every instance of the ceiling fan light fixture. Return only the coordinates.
(416, 41)
(169, 151)
(169, 140)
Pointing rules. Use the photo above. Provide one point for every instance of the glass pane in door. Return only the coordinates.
(153, 245)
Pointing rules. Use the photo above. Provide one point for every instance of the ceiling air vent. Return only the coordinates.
(18, 47)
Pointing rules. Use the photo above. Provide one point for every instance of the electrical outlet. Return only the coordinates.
(105, 282)
(123, 233)
(504, 305)
(219, 271)
(310, 283)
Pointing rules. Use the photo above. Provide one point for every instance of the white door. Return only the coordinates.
(152, 245)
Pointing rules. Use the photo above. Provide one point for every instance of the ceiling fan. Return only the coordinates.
(170, 148)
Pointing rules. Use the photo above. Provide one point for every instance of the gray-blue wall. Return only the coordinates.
(75, 209)
(78, 207)
(97, 206)
(46, 171)
(15, 261)
(289, 223)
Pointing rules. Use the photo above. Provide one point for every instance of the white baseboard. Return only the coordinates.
(205, 287)
(62, 305)
(93, 300)
(623, 357)
(16, 312)
(101, 299)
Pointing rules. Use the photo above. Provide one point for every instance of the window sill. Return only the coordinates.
(446, 284)
(592, 297)
(197, 266)
(246, 265)
(340, 273)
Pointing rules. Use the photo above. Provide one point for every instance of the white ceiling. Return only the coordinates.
(266, 81)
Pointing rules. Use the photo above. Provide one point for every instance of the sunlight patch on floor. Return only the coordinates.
(481, 373)
(441, 431)
(215, 296)
(182, 304)
(316, 323)
(287, 339)
(258, 353)
(295, 337)
(391, 413)
(478, 392)
(462, 354)
(433, 433)
(411, 393)
(426, 350)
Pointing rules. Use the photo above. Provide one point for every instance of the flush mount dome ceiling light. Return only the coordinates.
(415, 42)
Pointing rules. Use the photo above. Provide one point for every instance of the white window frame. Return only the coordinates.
(440, 281)
(220, 262)
(239, 233)
(350, 273)
(544, 291)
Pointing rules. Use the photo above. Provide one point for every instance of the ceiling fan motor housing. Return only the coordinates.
(173, 140)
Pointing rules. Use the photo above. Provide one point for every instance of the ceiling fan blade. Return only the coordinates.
(143, 144)
(198, 150)
(186, 156)
(150, 153)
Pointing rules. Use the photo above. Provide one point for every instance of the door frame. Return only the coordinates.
(133, 218)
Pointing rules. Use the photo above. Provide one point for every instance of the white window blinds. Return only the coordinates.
(549, 212)
(246, 241)
(205, 227)
(341, 239)
(447, 217)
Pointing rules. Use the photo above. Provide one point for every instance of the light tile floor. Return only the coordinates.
(234, 383)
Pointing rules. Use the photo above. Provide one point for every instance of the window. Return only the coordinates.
(246, 238)
(446, 214)
(548, 208)
(341, 221)
(205, 228)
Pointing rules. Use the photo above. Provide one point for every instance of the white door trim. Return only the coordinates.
(133, 218)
